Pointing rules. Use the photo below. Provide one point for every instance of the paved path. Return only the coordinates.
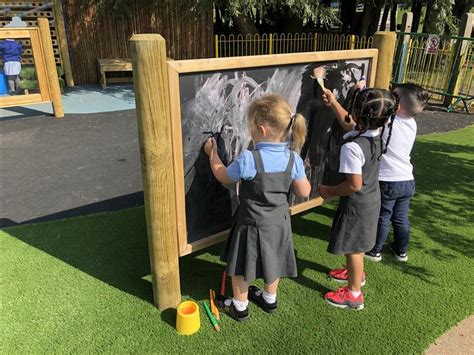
(80, 99)
(458, 340)
(82, 164)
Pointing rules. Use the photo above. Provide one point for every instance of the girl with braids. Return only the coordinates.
(397, 184)
(260, 243)
(354, 226)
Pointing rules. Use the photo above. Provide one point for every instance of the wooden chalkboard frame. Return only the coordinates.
(45, 66)
(175, 68)
(154, 95)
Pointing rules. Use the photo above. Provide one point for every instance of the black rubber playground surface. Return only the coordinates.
(89, 163)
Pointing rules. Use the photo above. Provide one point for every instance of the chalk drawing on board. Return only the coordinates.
(216, 103)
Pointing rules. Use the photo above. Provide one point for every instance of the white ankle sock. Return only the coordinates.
(240, 305)
(355, 294)
(269, 297)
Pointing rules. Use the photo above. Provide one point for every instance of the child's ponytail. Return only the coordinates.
(297, 132)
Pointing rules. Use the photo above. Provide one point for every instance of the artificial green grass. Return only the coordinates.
(82, 284)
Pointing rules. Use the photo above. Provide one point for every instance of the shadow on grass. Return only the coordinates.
(109, 247)
(305, 226)
(444, 197)
(113, 247)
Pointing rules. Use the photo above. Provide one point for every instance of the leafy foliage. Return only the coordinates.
(307, 10)
(439, 17)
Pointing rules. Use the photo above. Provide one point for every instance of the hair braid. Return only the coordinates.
(382, 149)
(361, 114)
(390, 122)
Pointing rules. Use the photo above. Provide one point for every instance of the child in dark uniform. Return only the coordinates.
(260, 244)
(354, 227)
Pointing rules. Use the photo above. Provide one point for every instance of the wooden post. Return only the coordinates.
(53, 80)
(402, 51)
(150, 75)
(460, 51)
(385, 43)
(62, 42)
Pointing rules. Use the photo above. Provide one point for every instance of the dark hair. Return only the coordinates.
(372, 109)
(413, 97)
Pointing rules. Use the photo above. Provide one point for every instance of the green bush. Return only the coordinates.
(26, 84)
(28, 73)
(29, 81)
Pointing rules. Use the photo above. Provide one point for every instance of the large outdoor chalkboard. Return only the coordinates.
(215, 103)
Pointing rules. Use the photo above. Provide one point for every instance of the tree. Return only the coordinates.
(370, 17)
(383, 22)
(461, 7)
(438, 16)
(393, 16)
(275, 15)
(348, 15)
(416, 8)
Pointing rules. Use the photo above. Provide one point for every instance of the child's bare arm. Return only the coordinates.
(301, 187)
(351, 184)
(330, 100)
(218, 168)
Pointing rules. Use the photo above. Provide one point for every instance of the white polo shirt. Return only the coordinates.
(352, 157)
(395, 165)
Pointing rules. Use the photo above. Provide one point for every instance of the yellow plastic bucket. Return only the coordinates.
(187, 318)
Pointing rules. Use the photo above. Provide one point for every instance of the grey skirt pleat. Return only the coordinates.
(265, 252)
(354, 228)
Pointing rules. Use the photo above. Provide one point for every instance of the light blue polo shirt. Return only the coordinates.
(275, 157)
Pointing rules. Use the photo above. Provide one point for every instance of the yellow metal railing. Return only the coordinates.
(448, 72)
(274, 43)
(432, 71)
(465, 84)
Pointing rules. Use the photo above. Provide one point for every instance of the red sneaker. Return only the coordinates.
(340, 275)
(343, 298)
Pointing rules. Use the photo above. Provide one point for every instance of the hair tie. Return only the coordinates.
(292, 121)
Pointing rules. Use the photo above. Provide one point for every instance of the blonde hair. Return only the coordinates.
(276, 112)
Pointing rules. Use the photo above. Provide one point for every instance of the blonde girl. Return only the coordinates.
(260, 244)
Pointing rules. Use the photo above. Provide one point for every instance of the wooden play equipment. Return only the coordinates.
(161, 145)
(113, 65)
(29, 12)
(39, 39)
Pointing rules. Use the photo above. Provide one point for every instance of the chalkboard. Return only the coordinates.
(215, 103)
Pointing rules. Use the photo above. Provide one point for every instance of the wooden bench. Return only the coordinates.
(114, 65)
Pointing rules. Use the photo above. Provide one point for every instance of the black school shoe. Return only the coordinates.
(403, 257)
(231, 311)
(260, 301)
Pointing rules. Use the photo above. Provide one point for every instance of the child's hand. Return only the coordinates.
(210, 147)
(324, 191)
(328, 98)
(361, 84)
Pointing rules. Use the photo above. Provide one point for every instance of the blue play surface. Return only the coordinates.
(80, 99)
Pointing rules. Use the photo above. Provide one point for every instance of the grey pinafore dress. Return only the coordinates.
(354, 228)
(260, 244)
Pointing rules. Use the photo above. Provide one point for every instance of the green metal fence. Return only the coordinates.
(447, 71)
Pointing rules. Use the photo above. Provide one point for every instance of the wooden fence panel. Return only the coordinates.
(188, 33)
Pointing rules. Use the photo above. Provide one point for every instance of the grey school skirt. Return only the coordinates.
(260, 252)
(354, 228)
